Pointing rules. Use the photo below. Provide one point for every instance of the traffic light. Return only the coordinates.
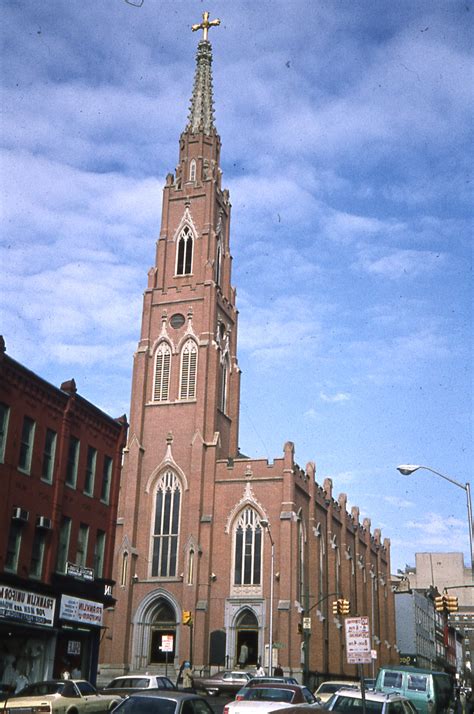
(439, 603)
(451, 603)
(344, 607)
(187, 618)
(335, 607)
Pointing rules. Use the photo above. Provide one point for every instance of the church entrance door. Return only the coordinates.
(163, 635)
(247, 652)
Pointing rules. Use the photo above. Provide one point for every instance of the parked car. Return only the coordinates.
(128, 684)
(349, 701)
(268, 697)
(369, 683)
(64, 696)
(161, 702)
(225, 682)
(430, 692)
(257, 681)
(327, 689)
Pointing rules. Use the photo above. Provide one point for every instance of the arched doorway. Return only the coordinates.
(163, 634)
(247, 651)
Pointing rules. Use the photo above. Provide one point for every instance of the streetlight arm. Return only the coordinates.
(407, 469)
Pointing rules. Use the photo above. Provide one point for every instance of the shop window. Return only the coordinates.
(106, 479)
(90, 471)
(72, 461)
(47, 466)
(26, 445)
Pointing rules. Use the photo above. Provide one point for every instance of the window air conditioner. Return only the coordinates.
(19, 514)
(43, 522)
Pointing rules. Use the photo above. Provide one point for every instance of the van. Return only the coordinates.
(430, 692)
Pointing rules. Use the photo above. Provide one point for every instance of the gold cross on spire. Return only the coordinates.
(205, 25)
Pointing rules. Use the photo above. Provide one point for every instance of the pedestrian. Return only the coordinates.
(244, 655)
(188, 682)
(278, 671)
(259, 672)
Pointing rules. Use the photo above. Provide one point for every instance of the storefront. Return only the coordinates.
(77, 649)
(27, 635)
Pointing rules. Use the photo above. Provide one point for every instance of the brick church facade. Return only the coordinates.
(197, 519)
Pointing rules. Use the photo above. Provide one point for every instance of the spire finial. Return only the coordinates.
(205, 25)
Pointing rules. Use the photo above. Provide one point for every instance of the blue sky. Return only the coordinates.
(347, 148)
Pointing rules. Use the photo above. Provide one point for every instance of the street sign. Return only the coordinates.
(166, 643)
(358, 647)
(306, 623)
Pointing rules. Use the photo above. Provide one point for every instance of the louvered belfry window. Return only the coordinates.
(184, 259)
(188, 371)
(162, 373)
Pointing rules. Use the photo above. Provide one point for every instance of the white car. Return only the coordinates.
(326, 689)
(267, 698)
(127, 684)
(60, 696)
(350, 701)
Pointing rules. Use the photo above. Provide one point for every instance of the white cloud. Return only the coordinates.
(398, 502)
(334, 398)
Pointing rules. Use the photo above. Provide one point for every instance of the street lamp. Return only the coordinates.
(265, 524)
(407, 469)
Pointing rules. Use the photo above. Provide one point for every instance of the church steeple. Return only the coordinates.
(201, 114)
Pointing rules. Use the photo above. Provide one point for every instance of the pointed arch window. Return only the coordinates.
(301, 578)
(187, 387)
(217, 275)
(192, 170)
(224, 372)
(248, 549)
(161, 383)
(166, 526)
(184, 257)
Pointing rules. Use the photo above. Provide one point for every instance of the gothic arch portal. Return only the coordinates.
(245, 626)
(157, 616)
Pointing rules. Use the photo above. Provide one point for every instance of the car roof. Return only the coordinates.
(370, 695)
(164, 694)
(280, 685)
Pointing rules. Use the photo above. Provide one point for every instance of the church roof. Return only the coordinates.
(201, 111)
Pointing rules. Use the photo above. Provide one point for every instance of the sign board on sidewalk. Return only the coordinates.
(358, 648)
(167, 643)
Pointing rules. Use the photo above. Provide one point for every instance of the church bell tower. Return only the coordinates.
(185, 390)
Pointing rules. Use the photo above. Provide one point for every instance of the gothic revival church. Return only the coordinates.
(216, 551)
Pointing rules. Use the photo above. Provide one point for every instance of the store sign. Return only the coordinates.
(79, 572)
(358, 646)
(79, 610)
(25, 606)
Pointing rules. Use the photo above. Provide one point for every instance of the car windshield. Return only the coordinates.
(41, 689)
(269, 694)
(146, 705)
(353, 705)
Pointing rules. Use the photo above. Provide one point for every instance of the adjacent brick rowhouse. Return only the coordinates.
(189, 534)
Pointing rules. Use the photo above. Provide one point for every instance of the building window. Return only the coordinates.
(90, 471)
(106, 479)
(184, 257)
(13, 547)
(217, 273)
(187, 389)
(124, 569)
(72, 461)
(4, 415)
(63, 544)
(82, 541)
(37, 553)
(301, 582)
(166, 526)
(26, 446)
(162, 373)
(192, 170)
(99, 552)
(190, 578)
(223, 386)
(248, 549)
(49, 451)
